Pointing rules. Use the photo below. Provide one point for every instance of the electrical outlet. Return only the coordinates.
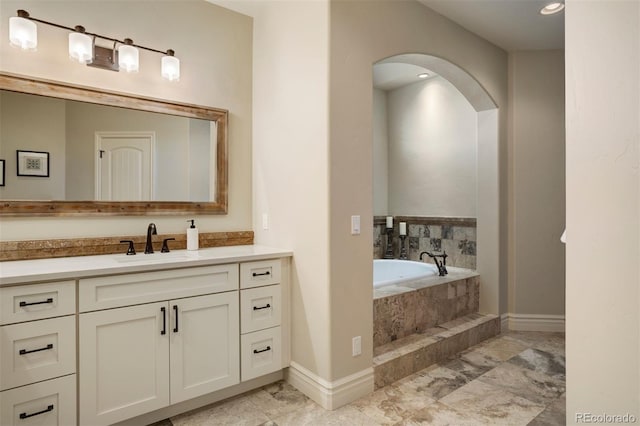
(265, 221)
(356, 346)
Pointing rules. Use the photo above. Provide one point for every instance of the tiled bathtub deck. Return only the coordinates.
(517, 378)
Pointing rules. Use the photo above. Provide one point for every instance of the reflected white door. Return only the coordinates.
(124, 166)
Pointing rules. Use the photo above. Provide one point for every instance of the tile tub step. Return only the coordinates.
(412, 353)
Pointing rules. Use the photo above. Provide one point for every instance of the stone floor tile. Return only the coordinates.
(529, 384)
(471, 363)
(493, 405)
(501, 348)
(544, 341)
(278, 398)
(392, 404)
(313, 414)
(237, 411)
(433, 382)
(553, 415)
(543, 362)
(439, 414)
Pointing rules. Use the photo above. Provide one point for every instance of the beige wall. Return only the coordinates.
(290, 160)
(603, 214)
(361, 33)
(380, 154)
(537, 182)
(432, 150)
(215, 48)
(309, 182)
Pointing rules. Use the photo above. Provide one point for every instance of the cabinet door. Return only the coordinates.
(204, 345)
(124, 359)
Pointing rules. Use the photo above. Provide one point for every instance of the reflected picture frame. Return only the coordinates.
(32, 163)
(2, 169)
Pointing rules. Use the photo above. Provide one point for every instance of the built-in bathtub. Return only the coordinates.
(410, 297)
(391, 271)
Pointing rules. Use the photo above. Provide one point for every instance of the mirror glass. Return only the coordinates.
(96, 152)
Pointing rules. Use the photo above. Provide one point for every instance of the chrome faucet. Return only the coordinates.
(151, 230)
(442, 266)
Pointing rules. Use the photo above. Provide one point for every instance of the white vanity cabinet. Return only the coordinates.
(140, 358)
(260, 318)
(38, 354)
(105, 339)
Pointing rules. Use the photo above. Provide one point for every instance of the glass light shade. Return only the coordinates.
(80, 47)
(170, 68)
(23, 33)
(128, 58)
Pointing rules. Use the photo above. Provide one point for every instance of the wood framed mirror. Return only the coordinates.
(183, 175)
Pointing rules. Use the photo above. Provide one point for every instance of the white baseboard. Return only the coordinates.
(532, 322)
(330, 395)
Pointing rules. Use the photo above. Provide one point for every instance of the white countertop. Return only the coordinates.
(61, 268)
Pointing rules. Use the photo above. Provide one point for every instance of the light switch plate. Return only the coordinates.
(355, 225)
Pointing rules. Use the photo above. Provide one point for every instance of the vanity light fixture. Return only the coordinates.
(23, 33)
(128, 56)
(80, 46)
(552, 8)
(170, 66)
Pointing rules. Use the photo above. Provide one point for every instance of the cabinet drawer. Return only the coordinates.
(37, 350)
(48, 403)
(260, 308)
(37, 301)
(256, 274)
(261, 353)
(132, 289)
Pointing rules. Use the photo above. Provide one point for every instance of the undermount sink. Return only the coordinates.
(154, 258)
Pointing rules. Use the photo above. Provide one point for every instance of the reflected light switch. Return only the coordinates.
(355, 225)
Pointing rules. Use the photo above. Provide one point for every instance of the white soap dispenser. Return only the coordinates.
(192, 236)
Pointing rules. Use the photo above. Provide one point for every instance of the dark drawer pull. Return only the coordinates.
(268, 348)
(24, 351)
(257, 308)
(256, 274)
(164, 320)
(26, 416)
(49, 300)
(175, 309)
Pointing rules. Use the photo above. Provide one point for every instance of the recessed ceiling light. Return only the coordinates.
(423, 75)
(552, 8)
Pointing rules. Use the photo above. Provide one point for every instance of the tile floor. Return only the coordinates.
(516, 378)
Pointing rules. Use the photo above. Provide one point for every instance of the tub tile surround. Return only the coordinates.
(456, 236)
(416, 306)
(42, 249)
